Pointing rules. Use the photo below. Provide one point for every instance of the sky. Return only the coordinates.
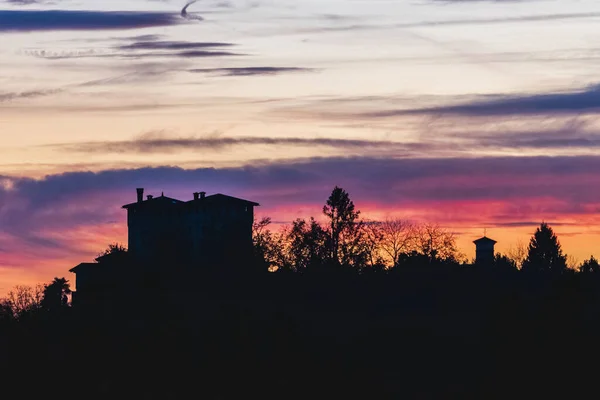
(473, 115)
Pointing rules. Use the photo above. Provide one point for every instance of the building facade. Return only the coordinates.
(169, 239)
(204, 229)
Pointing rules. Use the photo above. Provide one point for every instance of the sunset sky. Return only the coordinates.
(470, 114)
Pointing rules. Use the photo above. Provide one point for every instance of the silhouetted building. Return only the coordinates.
(484, 250)
(168, 237)
(102, 280)
(202, 230)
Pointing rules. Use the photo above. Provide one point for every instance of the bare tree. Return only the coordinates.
(518, 253)
(372, 239)
(572, 262)
(398, 236)
(23, 299)
(436, 243)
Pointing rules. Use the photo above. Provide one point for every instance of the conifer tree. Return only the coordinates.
(590, 266)
(545, 252)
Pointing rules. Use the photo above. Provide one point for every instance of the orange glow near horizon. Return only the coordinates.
(31, 269)
(465, 125)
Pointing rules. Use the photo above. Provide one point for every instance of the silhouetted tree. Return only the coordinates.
(518, 253)
(398, 236)
(372, 239)
(572, 262)
(344, 229)
(412, 259)
(268, 246)
(113, 248)
(56, 295)
(24, 299)
(436, 243)
(6, 311)
(590, 266)
(544, 252)
(502, 262)
(306, 244)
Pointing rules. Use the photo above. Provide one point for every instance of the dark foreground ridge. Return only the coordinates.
(304, 315)
(427, 333)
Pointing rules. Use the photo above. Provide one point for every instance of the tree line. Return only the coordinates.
(29, 302)
(347, 240)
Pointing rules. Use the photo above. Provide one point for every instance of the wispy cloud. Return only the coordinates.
(150, 143)
(550, 135)
(137, 76)
(145, 46)
(575, 136)
(521, 224)
(501, 20)
(186, 15)
(480, 1)
(568, 102)
(6, 97)
(140, 75)
(558, 139)
(197, 54)
(250, 71)
(173, 45)
(455, 22)
(29, 2)
(129, 55)
(23, 2)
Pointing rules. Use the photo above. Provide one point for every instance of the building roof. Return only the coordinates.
(81, 266)
(223, 198)
(106, 259)
(163, 201)
(155, 201)
(113, 257)
(484, 239)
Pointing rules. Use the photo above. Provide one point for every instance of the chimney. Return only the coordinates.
(149, 197)
(140, 194)
(202, 195)
(196, 194)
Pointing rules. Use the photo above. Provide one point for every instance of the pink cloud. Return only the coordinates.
(54, 223)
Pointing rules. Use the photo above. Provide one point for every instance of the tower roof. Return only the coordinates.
(484, 239)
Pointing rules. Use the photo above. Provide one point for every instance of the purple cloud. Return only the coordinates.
(565, 103)
(43, 215)
(61, 20)
(378, 180)
(250, 71)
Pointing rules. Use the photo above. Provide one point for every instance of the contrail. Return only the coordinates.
(184, 13)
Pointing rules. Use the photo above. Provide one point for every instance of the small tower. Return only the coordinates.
(484, 250)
